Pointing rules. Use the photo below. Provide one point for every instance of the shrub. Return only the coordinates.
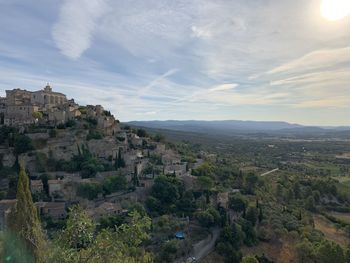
(23, 144)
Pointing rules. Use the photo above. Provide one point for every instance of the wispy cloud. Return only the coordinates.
(224, 87)
(164, 59)
(76, 24)
(315, 60)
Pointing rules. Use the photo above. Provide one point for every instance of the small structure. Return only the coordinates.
(105, 209)
(5, 208)
(54, 186)
(36, 186)
(222, 199)
(180, 235)
(56, 210)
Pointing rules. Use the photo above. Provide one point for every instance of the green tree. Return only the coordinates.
(305, 251)
(167, 190)
(23, 144)
(89, 190)
(37, 115)
(24, 224)
(238, 202)
(329, 252)
(250, 183)
(141, 133)
(205, 184)
(249, 259)
(205, 169)
(310, 203)
(119, 162)
(114, 183)
(252, 215)
(79, 230)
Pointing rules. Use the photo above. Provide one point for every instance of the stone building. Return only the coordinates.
(19, 105)
(36, 186)
(47, 98)
(56, 210)
(105, 209)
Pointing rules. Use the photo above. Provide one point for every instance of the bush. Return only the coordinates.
(61, 126)
(205, 218)
(89, 191)
(70, 123)
(141, 133)
(94, 135)
(238, 202)
(114, 183)
(53, 133)
(23, 144)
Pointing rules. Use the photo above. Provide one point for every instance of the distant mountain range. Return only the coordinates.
(239, 127)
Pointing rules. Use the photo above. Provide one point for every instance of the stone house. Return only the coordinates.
(56, 210)
(222, 199)
(135, 140)
(55, 187)
(105, 209)
(178, 169)
(36, 186)
(170, 158)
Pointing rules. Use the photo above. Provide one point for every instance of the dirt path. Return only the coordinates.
(269, 172)
(330, 232)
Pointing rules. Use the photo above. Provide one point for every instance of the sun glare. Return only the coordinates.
(335, 9)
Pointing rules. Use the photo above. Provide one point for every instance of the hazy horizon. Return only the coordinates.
(262, 60)
(227, 120)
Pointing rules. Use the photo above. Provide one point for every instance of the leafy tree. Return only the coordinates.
(23, 144)
(250, 233)
(205, 184)
(310, 203)
(305, 251)
(205, 218)
(119, 163)
(37, 115)
(114, 183)
(79, 230)
(329, 252)
(110, 222)
(24, 224)
(167, 190)
(249, 259)
(238, 202)
(261, 215)
(231, 255)
(205, 169)
(94, 135)
(141, 133)
(168, 251)
(89, 190)
(158, 137)
(250, 183)
(232, 235)
(252, 215)
(187, 204)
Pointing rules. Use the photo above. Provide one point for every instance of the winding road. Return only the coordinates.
(202, 250)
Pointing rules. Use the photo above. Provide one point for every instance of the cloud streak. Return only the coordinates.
(77, 21)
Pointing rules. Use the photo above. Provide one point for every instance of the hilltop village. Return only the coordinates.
(78, 155)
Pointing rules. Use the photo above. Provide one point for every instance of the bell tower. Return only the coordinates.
(48, 88)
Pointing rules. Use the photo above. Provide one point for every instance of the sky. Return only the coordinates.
(177, 59)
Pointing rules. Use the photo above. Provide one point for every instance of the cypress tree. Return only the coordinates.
(24, 223)
(135, 178)
(261, 216)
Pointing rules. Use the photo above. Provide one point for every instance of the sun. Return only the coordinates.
(335, 9)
